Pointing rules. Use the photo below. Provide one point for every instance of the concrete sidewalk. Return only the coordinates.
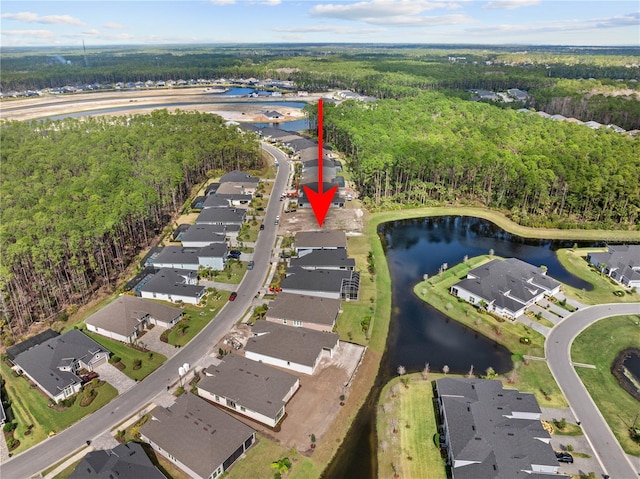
(530, 323)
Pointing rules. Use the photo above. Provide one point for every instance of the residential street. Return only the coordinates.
(55, 448)
(557, 348)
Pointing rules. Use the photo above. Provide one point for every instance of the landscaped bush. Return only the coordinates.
(12, 443)
(68, 402)
(115, 359)
(164, 337)
(137, 363)
(10, 426)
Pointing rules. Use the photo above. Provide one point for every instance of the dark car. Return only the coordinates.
(233, 296)
(285, 255)
(258, 195)
(88, 377)
(250, 265)
(564, 457)
(261, 227)
(234, 253)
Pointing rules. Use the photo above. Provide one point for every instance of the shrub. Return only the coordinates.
(137, 363)
(12, 443)
(525, 340)
(10, 426)
(115, 359)
(164, 337)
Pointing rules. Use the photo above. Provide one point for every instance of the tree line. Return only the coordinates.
(81, 198)
(430, 149)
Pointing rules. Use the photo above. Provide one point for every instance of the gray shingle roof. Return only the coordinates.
(298, 345)
(216, 201)
(221, 216)
(13, 351)
(309, 309)
(251, 384)
(125, 461)
(177, 255)
(123, 315)
(321, 239)
(324, 280)
(336, 258)
(41, 362)
(482, 428)
(212, 233)
(624, 259)
(237, 175)
(172, 281)
(197, 433)
(522, 281)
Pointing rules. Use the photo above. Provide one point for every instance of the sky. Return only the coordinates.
(153, 22)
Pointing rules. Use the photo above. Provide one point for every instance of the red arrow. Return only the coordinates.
(320, 201)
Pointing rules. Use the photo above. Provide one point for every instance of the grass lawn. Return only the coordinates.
(618, 407)
(257, 462)
(199, 317)
(31, 406)
(129, 355)
(249, 232)
(233, 274)
(575, 262)
(411, 448)
(536, 378)
(435, 291)
(66, 472)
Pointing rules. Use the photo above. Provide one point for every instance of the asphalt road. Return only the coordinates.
(558, 352)
(53, 449)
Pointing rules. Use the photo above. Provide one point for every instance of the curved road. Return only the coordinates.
(557, 347)
(53, 449)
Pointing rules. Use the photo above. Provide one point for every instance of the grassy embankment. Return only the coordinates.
(411, 449)
(574, 261)
(30, 406)
(618, 407)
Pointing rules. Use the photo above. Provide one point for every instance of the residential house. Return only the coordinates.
(237, 175)
(222, 216)
(505, 287)
(216, 201)
(620, 262)
(126, 317)
(246, 188)
(175, 285)
(307, 241)
(197, 437)
(298, 349)
(336, 284)
(198, 236)
(125, 461)
(335, 259)
(299, 310)
(211, 188)
(213, 256)
(52, 365)
(303, 201)
(518, 95)
(250, 388)
(273, 115)
(490, 431)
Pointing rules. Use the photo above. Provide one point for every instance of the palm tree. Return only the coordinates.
(282, 466)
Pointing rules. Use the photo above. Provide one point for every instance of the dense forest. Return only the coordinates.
(81, 198)
(431, 149)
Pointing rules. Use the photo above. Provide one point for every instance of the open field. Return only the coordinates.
(575, 262)
(31, 406)
(618, 407)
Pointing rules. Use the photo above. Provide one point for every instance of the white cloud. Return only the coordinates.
(272, 3)
(29, 33)
(510, 4)
(393, 12)
(562, 26)
(113, 26)
(329, 29)
(31, 17)
(222, 2)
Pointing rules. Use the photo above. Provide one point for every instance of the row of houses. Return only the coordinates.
(171, 272)
(594, 125)
(621, 263)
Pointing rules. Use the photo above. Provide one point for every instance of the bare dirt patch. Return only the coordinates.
(350, 220)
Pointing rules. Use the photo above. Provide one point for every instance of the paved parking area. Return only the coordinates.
(151, 340)
(108, 372)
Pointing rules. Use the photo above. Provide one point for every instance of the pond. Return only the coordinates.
(419, 333)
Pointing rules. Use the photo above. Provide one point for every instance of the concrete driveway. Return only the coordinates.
(108, 372)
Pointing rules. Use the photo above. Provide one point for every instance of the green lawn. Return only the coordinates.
(257, 463)
(233, 274)
(618, 407)
(199, 317)
(129, 355)
(31, 406)
(575, 262)
(67, 471)
(249, 231)
(536, 378)
(411, 448)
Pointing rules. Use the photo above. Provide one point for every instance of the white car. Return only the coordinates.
(277, 219)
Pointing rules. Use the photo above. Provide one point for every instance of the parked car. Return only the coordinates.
(250, 265)
(277, 219)
(285, 255)
(88, 377)
(235, 253)
(261, 226)
(258, 195)
(564, 457)
(233, 296)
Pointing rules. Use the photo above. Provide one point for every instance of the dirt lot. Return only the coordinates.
(316, 404)
(349, 219)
